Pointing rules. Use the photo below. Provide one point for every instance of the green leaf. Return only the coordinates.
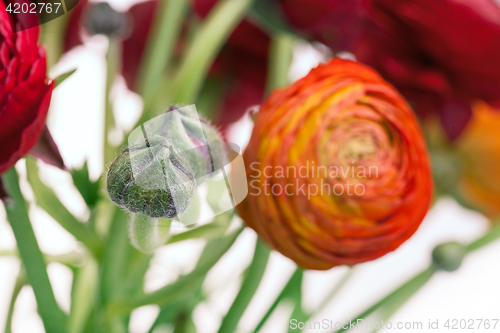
(185, 286)
(54, 320)
(89, 190)
(61, 78)
(248, 288)
(48, 201)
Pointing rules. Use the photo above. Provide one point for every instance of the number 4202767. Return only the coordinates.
(33, 8)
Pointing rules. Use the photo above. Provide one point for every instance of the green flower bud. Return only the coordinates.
(151, 178)
(448, 256)
(103, 19)
(148, 233)
(195, 138)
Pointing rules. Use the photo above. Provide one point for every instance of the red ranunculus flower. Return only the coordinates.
(442, 55)
(309, 195)
(25, 91)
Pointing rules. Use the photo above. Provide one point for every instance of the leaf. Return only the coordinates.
(61, 78)
(89, 190)
(270, 17)
(186, 285)
(48, 201)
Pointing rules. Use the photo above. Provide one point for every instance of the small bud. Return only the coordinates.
(448, 256)
(193, 137)
(103, 19)
(151, 178)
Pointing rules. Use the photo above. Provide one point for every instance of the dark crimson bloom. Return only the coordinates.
(442, 55)
(25, 90)
(240, 69)
(336, 23)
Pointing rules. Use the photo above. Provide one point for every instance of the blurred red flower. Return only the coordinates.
(336, 23)
(442, 55)
(25, 91)
(240, 67)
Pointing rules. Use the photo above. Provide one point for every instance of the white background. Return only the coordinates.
(473, 292)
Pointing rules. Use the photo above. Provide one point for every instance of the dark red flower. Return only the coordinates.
(72, 37)
(240, 69)
(336, 23)
(442, 55)
(25, 91)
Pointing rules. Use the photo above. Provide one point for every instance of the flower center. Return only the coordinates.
(357, 149)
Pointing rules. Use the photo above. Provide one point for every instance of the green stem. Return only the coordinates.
(184, 286)
(392, 302)
(279, 61)
(113, 66)
(83, 295)
(48, 201)
(488, 238)
(114, 269)
(161, 45)
(114, 260)
(248, 288)
(203, 50)
(338, 287)
(54, 320)
(292, 285)
(398, 296)
(20, 282)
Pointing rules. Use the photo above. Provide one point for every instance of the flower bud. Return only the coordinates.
(151, 178)
(448, 256)
(144, 233)
(196, 139)
(103, 19)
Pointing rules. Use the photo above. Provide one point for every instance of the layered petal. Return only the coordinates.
(337, 167)
(25, 91)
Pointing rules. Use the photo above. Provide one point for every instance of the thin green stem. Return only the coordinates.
(248, 288)
(185, 286)
(292, 285)
(53, 318)
(20, 282)
(335, 290)
(48, 201)
(489, 237)
(161, 45)
(398, 296)
(202, 51)
(113, 66)
(392, 302)
(279, 61)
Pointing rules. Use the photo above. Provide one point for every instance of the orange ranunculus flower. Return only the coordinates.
(479, 149)
(337, 168)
